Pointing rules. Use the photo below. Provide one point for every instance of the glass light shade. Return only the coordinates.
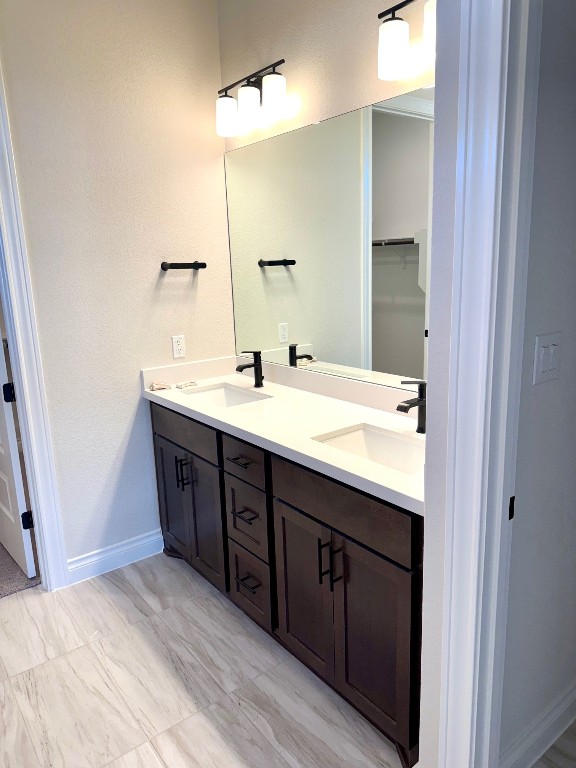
(430, 26)
(226, 116)
(274, 95)
(393, 49)
(248, 108)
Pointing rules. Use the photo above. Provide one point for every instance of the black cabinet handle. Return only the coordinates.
(177, 468)
(321, 573)
(242, 583)
(240, 461)
(181, 481)
(333, 580)
(242, 512)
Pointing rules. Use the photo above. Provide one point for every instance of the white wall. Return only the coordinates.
(541, 634)
(299, 196)
(330, 47)
(111, 108)
(400, 192)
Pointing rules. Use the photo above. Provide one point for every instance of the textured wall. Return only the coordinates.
(111, 107)
(330, 47)
(540, 658)
(299, 196)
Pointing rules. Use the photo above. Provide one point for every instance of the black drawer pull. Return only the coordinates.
(247, 520)
(333, 580)
(321, 573)
(242, 583)
(240, 461)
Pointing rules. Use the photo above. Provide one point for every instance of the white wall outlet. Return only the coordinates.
(547, 358)
(178, 346)
(283, 332)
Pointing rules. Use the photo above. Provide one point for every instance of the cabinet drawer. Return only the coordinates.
(246, 516)
(244, 461)
(394, 534)
(250, 584)
(191, 435)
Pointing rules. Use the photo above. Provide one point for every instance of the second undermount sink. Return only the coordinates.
(224, 395)
(404, 453)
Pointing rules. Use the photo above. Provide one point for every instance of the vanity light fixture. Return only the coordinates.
(261, 100)
(395, 59)
(393, 43)
(226, 116)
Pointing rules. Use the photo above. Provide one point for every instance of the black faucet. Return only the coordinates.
(257, 365)
(419, 402)
(293, 357)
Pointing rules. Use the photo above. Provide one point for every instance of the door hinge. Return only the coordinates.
(27, 520)
(511, 507)
(9, 392)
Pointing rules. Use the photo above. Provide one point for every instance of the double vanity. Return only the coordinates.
(307, 511)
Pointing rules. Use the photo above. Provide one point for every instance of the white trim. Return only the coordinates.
(486, 333)
(409, 106)
(116, 556)
(518, 174)
(366, 240)
(537, 739)
(22, 334)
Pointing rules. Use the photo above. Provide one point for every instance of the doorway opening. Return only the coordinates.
(18, 555)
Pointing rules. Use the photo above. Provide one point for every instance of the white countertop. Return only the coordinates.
(286, 423)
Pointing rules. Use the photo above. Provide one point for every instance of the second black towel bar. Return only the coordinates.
(277, 263)
(396, 241)
(166, 265)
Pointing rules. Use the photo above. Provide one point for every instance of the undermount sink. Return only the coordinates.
(224, 395)
(403, 453)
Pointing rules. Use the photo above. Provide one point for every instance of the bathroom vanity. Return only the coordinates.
(333, 572)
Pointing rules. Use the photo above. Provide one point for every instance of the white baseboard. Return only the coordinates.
(117, 556)
(535, 740)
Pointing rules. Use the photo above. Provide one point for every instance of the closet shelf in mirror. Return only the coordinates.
(396, 241)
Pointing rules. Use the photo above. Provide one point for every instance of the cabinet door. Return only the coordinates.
(206, 541)
(305, 615)
(175, 498)
(373, 626)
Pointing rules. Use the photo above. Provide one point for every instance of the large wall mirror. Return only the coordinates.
(348, 200)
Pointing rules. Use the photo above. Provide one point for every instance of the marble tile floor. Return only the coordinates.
(562, 754)
(151, 667)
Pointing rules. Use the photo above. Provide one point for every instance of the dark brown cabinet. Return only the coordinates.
(174, 501)
(350, 613)
(189, 494)
(305, 614)
(373, 625)
(334, 574)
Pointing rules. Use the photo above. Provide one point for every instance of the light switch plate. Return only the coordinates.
(547, 349)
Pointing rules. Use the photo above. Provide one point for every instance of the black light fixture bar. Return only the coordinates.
(166, 265)
(259, 73)
(277, 263)
(394, 10)
(397, 241)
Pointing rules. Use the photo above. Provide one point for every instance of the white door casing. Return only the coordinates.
(22, 334)
(13, 537)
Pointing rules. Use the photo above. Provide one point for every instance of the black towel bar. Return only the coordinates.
(165, 266)
(277, 263)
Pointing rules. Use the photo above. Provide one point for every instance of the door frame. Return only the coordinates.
(497, 101)
(22, 334)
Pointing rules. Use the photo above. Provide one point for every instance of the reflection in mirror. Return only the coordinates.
(346, 202)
